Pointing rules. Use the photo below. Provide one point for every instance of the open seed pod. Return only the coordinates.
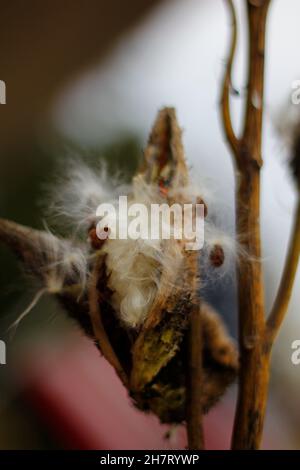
(139, 296)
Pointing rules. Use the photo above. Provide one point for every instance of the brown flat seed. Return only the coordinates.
(217, 256)
(96, 242)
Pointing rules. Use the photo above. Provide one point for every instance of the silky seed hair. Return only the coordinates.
(133, 267)
(79, 189)
(60, 264)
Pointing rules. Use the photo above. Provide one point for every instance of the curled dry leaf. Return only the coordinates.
(151, 357)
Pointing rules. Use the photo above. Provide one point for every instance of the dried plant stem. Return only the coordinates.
(254, 381)
(256, 335)
(195, 384)
(254, 369)
(97, 324)
(281, 303)
(225, 98)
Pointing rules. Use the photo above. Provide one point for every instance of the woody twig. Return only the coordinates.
(195, 383)
(256, 335)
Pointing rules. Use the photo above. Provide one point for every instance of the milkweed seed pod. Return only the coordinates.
(135, 297)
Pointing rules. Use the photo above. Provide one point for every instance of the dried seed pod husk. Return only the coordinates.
(151, 360)
(158, 377)
(166, 394)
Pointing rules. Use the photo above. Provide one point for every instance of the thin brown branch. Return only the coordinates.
(227, 85)
(97, 324)
(257, 11)
(281, 303)
(254, 369)
(195, 383)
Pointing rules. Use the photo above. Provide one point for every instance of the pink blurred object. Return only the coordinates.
(80, 398)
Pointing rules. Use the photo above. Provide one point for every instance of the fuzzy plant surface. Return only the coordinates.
(135, 298)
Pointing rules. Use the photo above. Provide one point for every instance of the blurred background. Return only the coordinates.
(87, 78)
